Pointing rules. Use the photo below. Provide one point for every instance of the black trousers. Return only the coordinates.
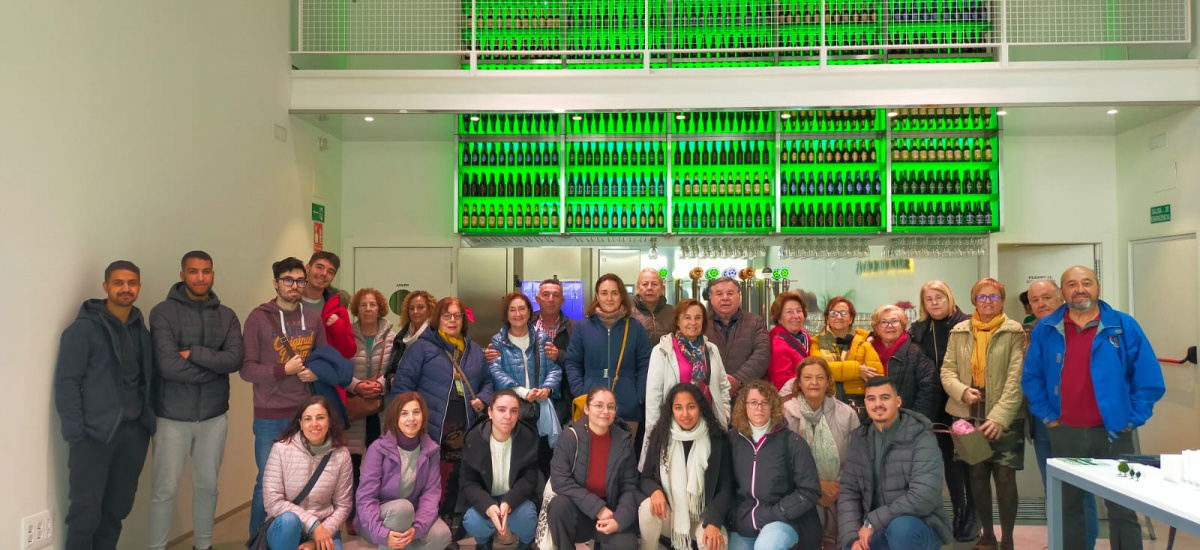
(1124, 531)
(103, 480)
(568, 525)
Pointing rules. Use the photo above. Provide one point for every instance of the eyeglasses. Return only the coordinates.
(603, 407)
(891, 323)
(452, 316)
(987, 298)
(818, 379)
(839, 314)
(758, 404)
(289, 281)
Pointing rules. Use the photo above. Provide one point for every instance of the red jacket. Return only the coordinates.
(340, 334)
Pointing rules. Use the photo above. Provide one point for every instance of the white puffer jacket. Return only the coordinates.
(287, 472)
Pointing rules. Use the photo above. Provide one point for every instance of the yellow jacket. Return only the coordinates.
(845, 363)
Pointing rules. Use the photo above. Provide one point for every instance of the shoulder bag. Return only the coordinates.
(258, 541)
(579, 404)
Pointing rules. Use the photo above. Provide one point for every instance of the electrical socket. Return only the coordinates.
(37, 531)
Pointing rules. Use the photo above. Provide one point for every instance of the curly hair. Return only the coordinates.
(741, 422)
(660, 434)
(430, 301)
(356, 301)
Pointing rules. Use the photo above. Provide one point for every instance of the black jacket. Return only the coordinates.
(476, 484)
(196, 388)
(776, 481)
(87, 377)
(933, 337)
(918, 382)
(569, 469)
(718, 481)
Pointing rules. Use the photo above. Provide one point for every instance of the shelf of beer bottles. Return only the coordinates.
(506, 124)
(617, 124)
(829, 154)
(616, 154)
(981, 182)
(741, 215)
(860, 121)
(943, 153)
(724, 122)
(944, 119)
(728, 183)
(723, 154)
(508, 215)
(592, 216)
(817, 214)
(505, 155)
(939, 214)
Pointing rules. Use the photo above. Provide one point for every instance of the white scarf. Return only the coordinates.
(417, 334)
(685, 486)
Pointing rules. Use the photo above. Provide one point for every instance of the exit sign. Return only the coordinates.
(1160, 214)
(318, 212)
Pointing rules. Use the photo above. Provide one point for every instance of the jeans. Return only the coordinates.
(905, 533)
(397, 515)
(287, 532)
(1124, 530)
(103, 480)
(265, 433)
(1041, 446)
(776, 535)
(522, 522)
(174, 442)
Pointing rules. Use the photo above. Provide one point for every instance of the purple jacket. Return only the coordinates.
(380, 483)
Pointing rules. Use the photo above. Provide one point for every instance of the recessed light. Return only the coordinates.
(1001, 112)
(576, 117)
(680, 116)
(785, 116)
(474, 118)
(1112, 111)
(369, 118)
(893, 114)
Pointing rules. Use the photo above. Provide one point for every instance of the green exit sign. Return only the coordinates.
(1160, 214)
(318, 213)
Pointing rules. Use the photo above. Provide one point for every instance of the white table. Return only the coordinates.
(1172, 503)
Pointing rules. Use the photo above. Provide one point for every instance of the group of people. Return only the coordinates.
(685, 425)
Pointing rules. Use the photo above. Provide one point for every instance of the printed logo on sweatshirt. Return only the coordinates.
(302, 345)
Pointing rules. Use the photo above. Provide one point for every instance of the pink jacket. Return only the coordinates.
(784, 357)
(288, 469)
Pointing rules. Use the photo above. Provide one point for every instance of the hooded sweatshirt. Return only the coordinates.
(277, 394)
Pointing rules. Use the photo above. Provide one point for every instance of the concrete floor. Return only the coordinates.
(230, 534)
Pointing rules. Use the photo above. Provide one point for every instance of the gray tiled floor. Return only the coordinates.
(230, 534)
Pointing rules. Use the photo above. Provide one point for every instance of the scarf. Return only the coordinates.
(832, 346)
(457, 342)
(407, 443)
(886, 352)
(982, 333)
(684, 486)
(318, 450)
(693, 368)
(610, 319)
(410, 338)
(820, 438)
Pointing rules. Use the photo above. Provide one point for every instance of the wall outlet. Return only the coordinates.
(37, 531)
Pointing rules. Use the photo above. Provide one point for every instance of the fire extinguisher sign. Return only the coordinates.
(318, 236)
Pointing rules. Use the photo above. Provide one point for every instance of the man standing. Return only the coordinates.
(103, 386)
(197, 343)
(891, 486)
(319, 293)
(279, 336)
(741, 336)
(650, 307)
(1092, 378)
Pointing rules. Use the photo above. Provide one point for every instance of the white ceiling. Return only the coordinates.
(1022, 121)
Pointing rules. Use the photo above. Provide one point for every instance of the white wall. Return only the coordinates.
(140, 130)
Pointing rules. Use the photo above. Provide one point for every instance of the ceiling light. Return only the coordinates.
(785, 116)
(680, 116)
(474, 118)
(893, 114)
(369, 118)
(576, 117)
(1001, 112)
(1112, 111)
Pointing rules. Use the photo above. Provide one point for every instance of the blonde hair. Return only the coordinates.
(938, 286)
(877, 315)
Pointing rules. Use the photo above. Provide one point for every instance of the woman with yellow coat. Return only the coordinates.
(848, 352)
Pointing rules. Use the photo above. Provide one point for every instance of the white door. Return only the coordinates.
(1163, 298)
(397, 271)
(1021, 264)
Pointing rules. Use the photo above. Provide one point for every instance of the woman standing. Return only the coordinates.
(777, 482)
(373, 338)
(982, 377)
(526, 364)
(850, 356)
(611, 349)
(448, 370)
(414, 319)
(917, 380)
(401, 485)
(595, 478)
(313, 438)
(931, 333)
(686, 475)
(687, 356)
(789, 340)
(825, 424)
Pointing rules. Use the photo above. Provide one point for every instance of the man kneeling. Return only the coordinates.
(891, 486)
(500, 474)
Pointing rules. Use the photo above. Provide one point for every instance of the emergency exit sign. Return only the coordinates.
(318, 212)
(1160, 214)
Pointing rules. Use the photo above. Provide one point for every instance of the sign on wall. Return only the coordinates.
(1160, 214)
(318, 236)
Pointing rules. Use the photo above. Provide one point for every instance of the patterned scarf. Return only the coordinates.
(696, 369)
(610, 319)
(830, 346)
(982, 333)
(819, 437)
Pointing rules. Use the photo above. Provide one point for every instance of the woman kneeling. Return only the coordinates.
(500, 474)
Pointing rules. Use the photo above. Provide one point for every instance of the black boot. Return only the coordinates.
(968, 530)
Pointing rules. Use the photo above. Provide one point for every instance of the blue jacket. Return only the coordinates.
(509, 369)
(426, 368)
(1125, 372)
(332, 371)
(592, 361)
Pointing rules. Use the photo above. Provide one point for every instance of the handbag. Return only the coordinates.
(541, 538)
(973, 447)
(579, 404)
(258, 541)
(359, 407)
(531, 411)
